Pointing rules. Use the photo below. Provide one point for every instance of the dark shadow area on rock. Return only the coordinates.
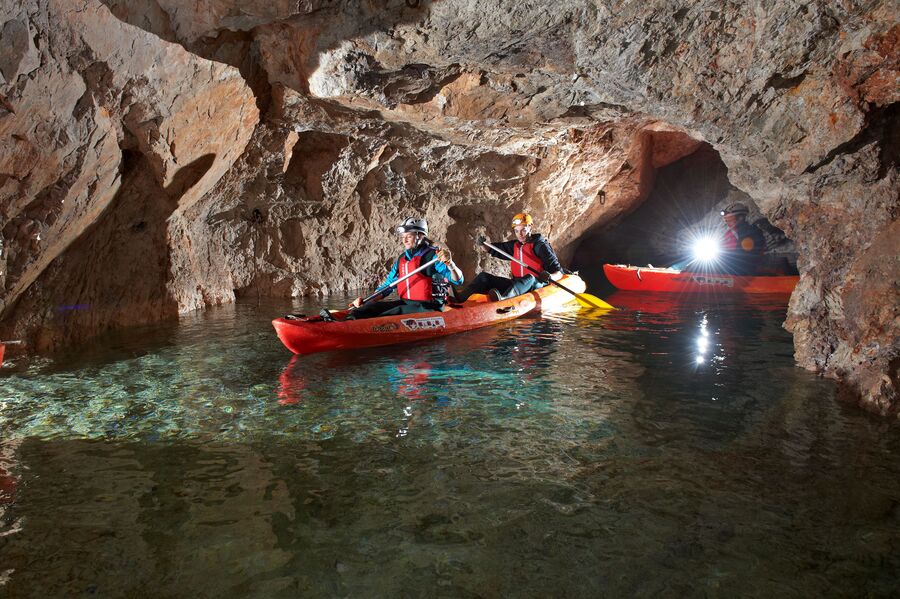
(116, 273)
(189, 175)
(312, 157)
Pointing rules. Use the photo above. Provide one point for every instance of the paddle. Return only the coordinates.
(585, 299)
(378, 292)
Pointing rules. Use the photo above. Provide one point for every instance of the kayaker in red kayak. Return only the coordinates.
(741, 234)
(743, 244)
(739, 252)
(425, 291)
(532, 249)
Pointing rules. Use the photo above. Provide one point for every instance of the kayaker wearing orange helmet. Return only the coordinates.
(426, 290)
(532, 249)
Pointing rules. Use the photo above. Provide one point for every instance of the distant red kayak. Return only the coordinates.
(311, 335)
(636, 278)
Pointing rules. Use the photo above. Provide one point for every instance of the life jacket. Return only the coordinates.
(744, 237)
(525, 253)
(729, 241)
(421, 287)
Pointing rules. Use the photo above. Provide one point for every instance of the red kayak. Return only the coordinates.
(637, 278)
(311, 335)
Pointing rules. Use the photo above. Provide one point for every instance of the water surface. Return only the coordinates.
(668, 449)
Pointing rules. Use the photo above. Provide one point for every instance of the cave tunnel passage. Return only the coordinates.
(686, 198)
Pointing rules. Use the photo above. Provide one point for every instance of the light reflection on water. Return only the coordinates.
(577, 454)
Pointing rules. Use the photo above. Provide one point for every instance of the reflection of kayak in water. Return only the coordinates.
(408, 368)
(7, 487)
(8, 480)
(671, 305)
(635, 278)
(310, 335)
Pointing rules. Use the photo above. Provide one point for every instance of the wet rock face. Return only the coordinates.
(272, 146)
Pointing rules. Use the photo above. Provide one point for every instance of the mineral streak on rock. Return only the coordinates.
(158, 156)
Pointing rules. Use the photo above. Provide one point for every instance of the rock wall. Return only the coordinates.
(270, 147)
(105, 140)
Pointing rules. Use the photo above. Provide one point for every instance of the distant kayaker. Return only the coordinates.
(425, 291)
(532, 249)
(743, 244)
(741, 250)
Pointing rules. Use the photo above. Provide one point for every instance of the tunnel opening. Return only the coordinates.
(685, 201)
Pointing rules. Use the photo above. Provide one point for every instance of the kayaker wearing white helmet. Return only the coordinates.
(532, 249)
(426, 290)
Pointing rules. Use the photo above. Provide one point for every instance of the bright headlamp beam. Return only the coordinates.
(706, 249)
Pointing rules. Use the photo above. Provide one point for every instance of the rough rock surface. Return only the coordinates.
(165, 155)
(105, 139)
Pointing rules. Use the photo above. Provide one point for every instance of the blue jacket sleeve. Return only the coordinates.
(443, 269)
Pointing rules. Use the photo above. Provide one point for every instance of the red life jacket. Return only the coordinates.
(729, 240)
(417, 287)
(525, 253)
(742, 238)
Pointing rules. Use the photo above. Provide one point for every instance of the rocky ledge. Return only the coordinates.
(158, 156)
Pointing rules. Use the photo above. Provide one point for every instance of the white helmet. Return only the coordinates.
(413, 225)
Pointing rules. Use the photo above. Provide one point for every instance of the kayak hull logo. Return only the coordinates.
(707, 280)
(423, 324)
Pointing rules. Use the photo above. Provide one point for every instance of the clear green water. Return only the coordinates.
(567, 456)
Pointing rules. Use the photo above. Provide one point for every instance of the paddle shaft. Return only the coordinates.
(398, 281)
(584, 298)
(517, 261)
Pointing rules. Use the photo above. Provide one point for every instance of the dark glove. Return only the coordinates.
(544, 277)
(480, 240)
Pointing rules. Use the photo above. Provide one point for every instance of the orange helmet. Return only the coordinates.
(522, 218)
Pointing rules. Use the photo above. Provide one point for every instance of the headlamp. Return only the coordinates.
(706, 249)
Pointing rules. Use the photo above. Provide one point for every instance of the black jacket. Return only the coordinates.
(745, 259)
(750, 238)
